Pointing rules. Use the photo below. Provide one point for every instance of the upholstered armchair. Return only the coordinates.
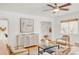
(64, 45)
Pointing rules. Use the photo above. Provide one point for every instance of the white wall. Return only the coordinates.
(14, 23)
(57, 27)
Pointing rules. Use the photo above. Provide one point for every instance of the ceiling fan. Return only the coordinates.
(55, 7)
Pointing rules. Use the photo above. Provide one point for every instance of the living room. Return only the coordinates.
(29, 26)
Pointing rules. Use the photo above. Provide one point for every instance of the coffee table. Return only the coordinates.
(48, 49)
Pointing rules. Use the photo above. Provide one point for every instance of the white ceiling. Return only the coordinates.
(36, 8)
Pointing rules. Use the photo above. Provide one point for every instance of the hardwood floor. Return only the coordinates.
(74, 50)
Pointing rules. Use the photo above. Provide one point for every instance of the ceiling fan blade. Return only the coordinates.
(50, 5)
(64, 9)
(67, 4)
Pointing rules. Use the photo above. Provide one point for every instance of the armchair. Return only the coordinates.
(64, 45)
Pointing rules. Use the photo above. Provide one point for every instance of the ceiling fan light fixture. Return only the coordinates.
(56, 10)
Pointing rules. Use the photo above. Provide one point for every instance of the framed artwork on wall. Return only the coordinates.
(26, 25)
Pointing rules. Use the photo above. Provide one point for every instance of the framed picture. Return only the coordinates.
(26, 25)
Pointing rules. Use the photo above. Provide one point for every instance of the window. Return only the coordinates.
(46, 29)
(69, 26)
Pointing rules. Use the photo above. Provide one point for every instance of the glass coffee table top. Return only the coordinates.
(48, 49)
